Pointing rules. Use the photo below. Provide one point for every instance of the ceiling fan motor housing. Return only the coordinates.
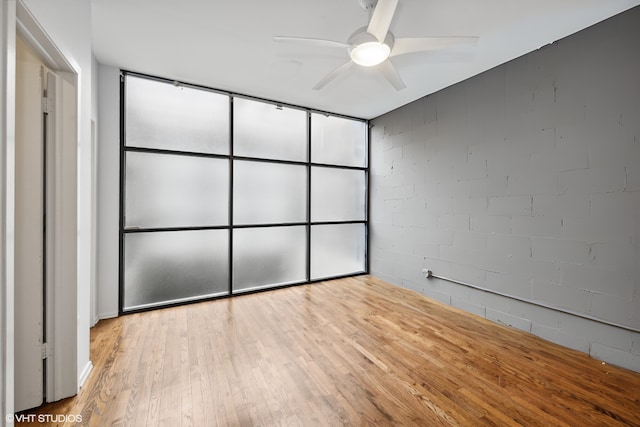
(368, 4)
(361, 36)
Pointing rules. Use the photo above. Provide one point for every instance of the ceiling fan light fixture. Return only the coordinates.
(369, 54)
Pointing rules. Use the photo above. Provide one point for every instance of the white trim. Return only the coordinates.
(7, 183)
(108, 315)
(85, 374)
(33, 33)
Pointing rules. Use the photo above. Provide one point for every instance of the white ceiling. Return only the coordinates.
(228, 44)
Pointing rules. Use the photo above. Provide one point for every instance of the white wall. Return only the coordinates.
(524, 180)
(68, 23)
(108, 190)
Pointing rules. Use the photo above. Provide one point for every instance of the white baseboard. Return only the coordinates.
(109, 315)
(85, 374)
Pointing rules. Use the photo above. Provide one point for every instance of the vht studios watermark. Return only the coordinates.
(42, 418)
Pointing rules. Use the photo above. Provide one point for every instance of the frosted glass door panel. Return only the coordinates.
(175, 191)
(338, 141)
(166, 266)
(161, 115)
(266, 257)
(337, 194)
(269, 193)
(337, 250)
(270, 132)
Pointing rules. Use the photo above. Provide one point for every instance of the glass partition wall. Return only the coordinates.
(224, 194)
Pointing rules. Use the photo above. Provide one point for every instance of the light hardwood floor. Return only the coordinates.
(354, 351)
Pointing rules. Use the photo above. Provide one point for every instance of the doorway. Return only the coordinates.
(30, 228)
(45, 304)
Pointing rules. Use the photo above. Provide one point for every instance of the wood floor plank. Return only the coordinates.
(354, 351)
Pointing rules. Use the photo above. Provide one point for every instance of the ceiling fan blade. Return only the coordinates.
(309, 41)
(381, 19)
(333, 75)
(391, 74)
(404, 46)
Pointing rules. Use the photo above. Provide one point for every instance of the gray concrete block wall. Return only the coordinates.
(524, 180)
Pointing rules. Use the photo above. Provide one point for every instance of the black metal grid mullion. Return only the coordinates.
(308, 196)
(231, 174)
(122, 196)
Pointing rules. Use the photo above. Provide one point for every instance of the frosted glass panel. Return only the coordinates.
(161, 115)
(175, 191)
(264, 257)
(174, 265)
(266, 131)
(337, 250)
(337, 194)
(338, 141)
(269, 193)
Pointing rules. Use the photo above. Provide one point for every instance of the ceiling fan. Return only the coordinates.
(374, 45)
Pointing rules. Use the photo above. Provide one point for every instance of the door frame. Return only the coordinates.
(61, 253)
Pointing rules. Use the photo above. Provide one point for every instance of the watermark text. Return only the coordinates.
(42, 418)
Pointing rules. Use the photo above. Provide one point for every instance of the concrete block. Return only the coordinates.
(437, 295)
(508, 284)
(562, 206)
(564, 297)
(509, 246)
(494, 301)
(613, 149)
(407, 284)
(470, 240)
(492, 224)
(559, 250)
(424, 249)
(467, 274)
(414, 151)
(409, 268)
(392, 155)
(533, 270)
(597, 280)
(544, 137)
(412, 218)
(615, 356)
(537, 226)
(433, 235)
(454, 222)
(569, 340)
(393, 205)
(632, 177)
(466, 205)
(569, 153)
(620, 207)
(468, 306)
(495, 185)
(540, 316)
(608, 335)
(612, 256)
(403, 192)
(530, 181)
(635, 343)
(510, 205)
(615, 309)
(508, 320)
(596, 230)
(593, 180)
(381, 266)
(510, 157)
(453, 188)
